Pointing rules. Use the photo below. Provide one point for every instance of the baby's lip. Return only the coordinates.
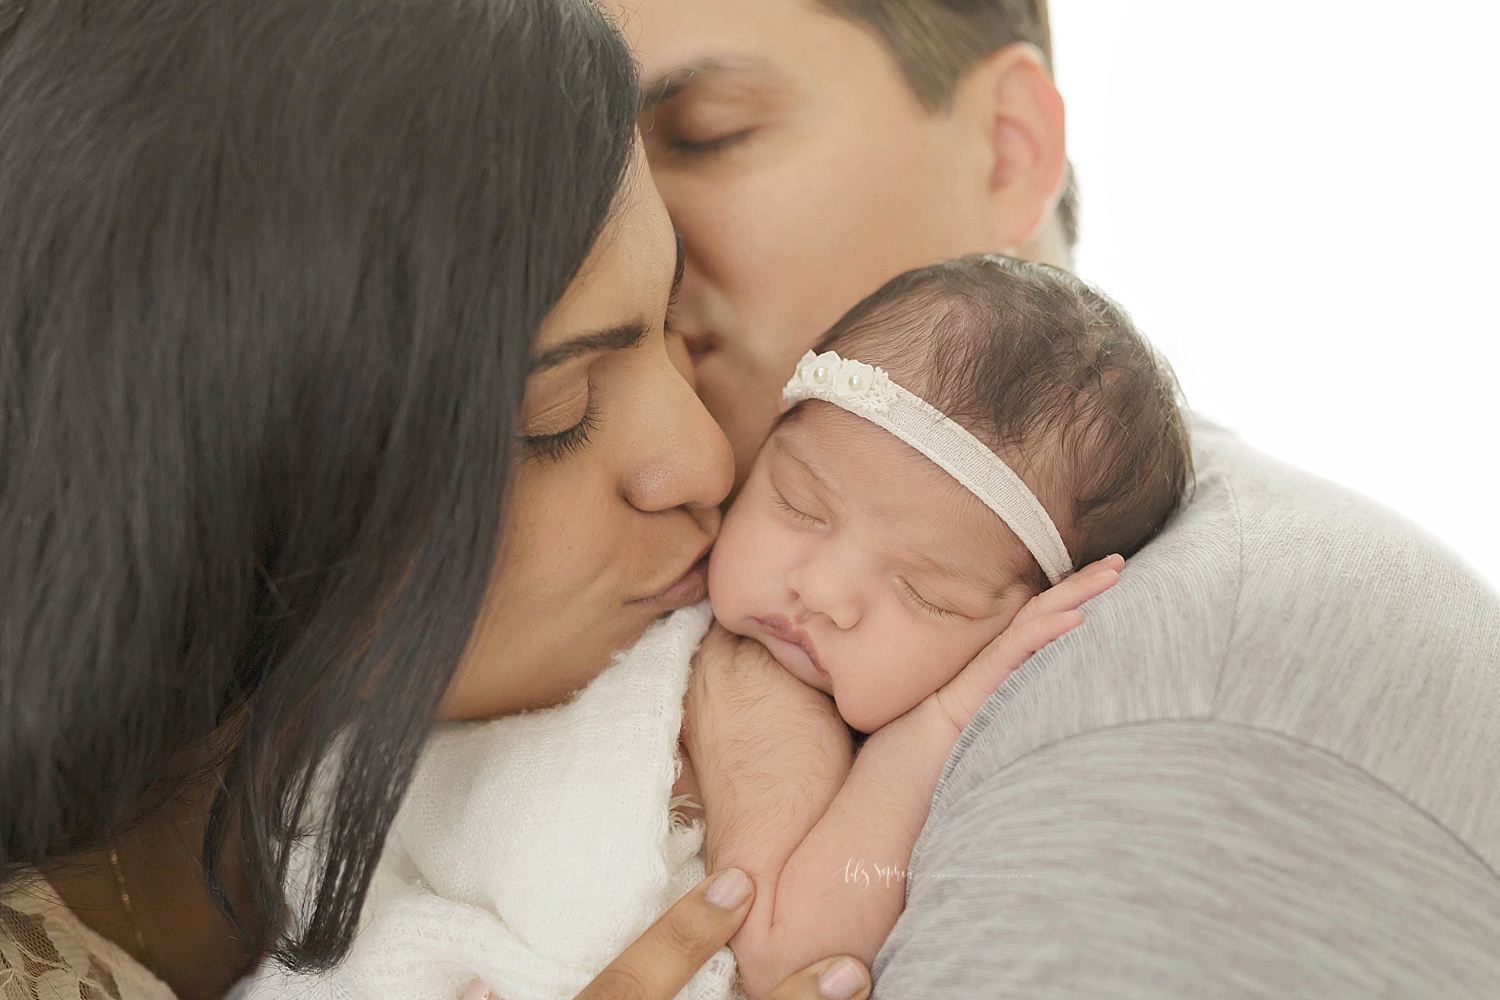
(786, 630)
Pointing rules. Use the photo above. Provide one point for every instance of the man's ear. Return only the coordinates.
(1011, 97)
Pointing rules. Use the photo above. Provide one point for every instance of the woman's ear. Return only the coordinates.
(1011, 99)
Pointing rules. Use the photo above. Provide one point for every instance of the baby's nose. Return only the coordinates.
(822, 590)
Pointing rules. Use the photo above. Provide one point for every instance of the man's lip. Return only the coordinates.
(689, 588)
(789, 633)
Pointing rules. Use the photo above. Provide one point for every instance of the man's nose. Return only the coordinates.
(701, 314)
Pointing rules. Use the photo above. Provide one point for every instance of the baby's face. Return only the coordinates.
(866, 570)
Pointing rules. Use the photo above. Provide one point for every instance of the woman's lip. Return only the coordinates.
(690, 588)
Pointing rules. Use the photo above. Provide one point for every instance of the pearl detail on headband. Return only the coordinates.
(843, 378)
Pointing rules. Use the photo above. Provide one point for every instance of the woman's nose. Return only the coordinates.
(824, 585)
(682, 458)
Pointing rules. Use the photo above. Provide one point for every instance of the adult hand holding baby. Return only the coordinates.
(663, 959)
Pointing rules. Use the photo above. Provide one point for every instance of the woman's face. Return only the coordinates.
(615, 496)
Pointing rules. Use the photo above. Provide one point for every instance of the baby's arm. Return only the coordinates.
(830, 869)
(769, 754)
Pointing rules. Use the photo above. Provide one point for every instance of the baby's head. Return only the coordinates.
(873, 574)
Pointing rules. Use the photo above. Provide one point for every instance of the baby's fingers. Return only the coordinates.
(1085, 585)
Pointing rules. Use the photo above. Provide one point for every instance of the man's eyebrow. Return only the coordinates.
(678, 79)
(617, 338)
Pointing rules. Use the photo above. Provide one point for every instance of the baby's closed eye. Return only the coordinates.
(785, 505)
(922, 603)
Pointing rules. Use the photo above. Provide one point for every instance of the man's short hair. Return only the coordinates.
(935, 42)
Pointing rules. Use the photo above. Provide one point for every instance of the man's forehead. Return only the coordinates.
(694, 42)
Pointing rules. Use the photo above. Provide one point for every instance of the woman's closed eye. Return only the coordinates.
(561, 425)
(560, 444)
(557, 418)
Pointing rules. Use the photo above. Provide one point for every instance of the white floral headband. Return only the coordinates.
(867, 391)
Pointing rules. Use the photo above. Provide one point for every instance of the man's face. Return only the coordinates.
(802, 173)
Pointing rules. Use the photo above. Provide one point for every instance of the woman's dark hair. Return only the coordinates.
(269, 275)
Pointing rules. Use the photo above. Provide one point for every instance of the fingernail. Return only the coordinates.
(729, 889)
(840, 981)
(477, 991)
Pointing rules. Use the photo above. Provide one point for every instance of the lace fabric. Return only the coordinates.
(47, 953)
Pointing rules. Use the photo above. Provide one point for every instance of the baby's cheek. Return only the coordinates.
(733, 572)
(902, 666)
(877, 680)
(723, 593)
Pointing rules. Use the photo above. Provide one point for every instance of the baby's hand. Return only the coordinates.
(1045, 617)
(740, 698)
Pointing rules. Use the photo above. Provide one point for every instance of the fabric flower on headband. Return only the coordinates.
(853, 384)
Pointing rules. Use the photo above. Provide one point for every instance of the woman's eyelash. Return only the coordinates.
(781, 502)
(927, 605)
(556, 447)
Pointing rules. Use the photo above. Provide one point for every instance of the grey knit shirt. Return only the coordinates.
(1267, 765)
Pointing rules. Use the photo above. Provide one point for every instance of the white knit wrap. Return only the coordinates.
(869, 392)
(532, 849)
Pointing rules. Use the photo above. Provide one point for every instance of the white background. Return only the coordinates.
(1297, 201)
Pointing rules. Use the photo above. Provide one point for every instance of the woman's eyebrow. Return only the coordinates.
(617, 338)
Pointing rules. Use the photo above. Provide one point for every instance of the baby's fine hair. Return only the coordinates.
(1049, 373)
